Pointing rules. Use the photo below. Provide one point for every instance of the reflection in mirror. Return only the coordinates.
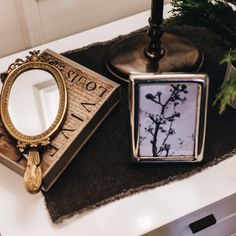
(33, 102)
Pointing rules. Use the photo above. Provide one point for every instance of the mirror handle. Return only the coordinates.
(33, 173)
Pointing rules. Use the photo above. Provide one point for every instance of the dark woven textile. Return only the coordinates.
(102, 171)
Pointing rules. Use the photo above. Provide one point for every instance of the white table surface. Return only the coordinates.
(25, 214)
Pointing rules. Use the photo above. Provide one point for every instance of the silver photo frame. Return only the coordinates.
(168, 115)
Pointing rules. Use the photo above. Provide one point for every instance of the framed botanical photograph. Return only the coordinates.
(168, 117)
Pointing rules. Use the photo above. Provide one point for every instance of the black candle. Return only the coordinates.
(157, 12)
(154, 49)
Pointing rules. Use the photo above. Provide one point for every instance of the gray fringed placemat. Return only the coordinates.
(102, 172)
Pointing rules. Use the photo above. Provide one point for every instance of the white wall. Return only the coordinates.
(27, 23)
(12, 37)
(78, 15)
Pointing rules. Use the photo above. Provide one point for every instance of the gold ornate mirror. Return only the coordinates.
(33, 105)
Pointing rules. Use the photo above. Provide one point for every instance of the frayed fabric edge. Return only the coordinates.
(58, 220)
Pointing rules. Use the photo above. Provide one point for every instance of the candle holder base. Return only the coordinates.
(128, 56)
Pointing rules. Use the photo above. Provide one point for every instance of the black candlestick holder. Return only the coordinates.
(153, 51)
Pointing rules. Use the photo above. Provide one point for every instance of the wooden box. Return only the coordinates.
(91, 97)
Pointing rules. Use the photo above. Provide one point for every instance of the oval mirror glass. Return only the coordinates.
(33, 102)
